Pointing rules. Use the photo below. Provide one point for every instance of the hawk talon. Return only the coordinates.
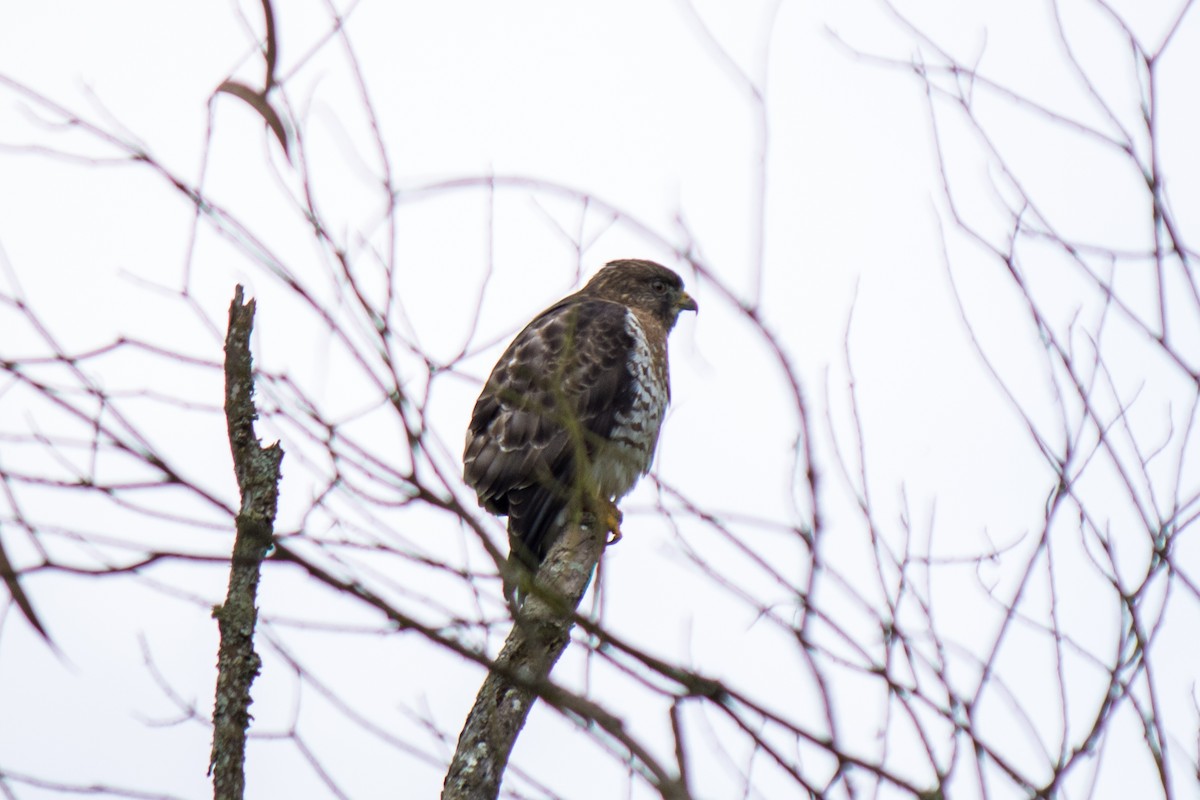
(611, 517)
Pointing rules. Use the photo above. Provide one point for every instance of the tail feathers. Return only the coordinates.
(516, 577)
(535, 516)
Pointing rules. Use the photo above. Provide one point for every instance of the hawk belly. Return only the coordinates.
(626, 455)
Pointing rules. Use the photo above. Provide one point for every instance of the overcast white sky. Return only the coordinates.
(630, 102)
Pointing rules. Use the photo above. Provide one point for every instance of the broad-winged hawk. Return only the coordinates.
(569, 418)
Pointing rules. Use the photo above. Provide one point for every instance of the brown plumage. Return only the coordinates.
(585, 384)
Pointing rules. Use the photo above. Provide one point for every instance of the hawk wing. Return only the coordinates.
(552, 398)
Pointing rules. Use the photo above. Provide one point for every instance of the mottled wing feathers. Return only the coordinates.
(552, 397)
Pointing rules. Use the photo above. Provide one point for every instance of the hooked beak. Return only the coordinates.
(686, 303)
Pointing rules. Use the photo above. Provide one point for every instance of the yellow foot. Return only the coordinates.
(610, 517)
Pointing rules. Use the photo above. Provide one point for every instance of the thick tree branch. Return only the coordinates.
(257, 470)
(537, 640)
(579, 708)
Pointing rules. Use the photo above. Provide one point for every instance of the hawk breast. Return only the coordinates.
(629, 447)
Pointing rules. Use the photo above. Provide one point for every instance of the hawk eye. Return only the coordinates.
(658, 286)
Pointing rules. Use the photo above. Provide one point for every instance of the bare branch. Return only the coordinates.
(538, 638)
(257, 470)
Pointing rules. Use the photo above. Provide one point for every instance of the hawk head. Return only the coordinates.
(642, 285)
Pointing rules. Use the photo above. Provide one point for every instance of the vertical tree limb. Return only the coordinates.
(538, 639)
(257, 470)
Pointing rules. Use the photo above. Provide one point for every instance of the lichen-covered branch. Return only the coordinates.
(257, 470)
(535, 644)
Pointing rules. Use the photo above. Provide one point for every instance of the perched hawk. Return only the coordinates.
(568, 420)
